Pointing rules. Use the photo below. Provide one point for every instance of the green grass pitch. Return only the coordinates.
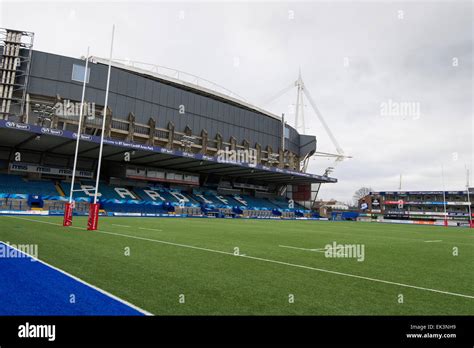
(431, 268)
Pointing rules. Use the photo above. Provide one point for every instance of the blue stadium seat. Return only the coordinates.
(86, 190)
(16, 184)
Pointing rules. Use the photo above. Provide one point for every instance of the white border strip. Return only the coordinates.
(262, 259)
(82, 281)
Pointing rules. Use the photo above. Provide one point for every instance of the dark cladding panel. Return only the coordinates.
(239, 134)
(131, 92)
(155, 113)
(220, 112)
(129, 107)
(211, 126)
(276, 128)
(147, 112)
(75, 91)
(52, 66)
(139, 114)
(65, 69)
(214, 109)
(132, 85)
(164, 90)
(112, 99)
(183, 99)
(122, 82)
(181, 120)
(91, 94)
(223, 128)
(233, 114)
(100, 97)
(38, 63)
(193, 123)
(191, 104)
(156, 92)
(121, 102)
(228, 113)
(162, 122)
(34, 86)
(200, 105)
(238, 118)
(170, 117)
(148, 91)
(98, 75)
(180, 99)
(171, 98)
(307, 145)
(140, 90)
(253, 123)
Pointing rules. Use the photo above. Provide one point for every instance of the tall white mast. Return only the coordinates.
(101, 146)
(444, 198)
(299, 106)
(468, 198)
(79, 128)
(302, 91)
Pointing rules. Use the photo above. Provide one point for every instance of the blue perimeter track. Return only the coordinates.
(30, 287)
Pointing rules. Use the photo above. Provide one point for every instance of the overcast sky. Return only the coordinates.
(356, 59)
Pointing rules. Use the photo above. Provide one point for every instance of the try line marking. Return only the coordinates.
(149, 229)
(432, 241)
(258, 259)
(77, 279)
(319, 250)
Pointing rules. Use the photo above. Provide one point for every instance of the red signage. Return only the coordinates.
(302, 192)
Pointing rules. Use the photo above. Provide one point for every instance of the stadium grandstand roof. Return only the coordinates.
(206, 86)
(18, 136)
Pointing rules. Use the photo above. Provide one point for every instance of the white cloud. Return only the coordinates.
(389, 59)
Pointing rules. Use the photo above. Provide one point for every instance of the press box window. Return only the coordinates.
(287, 133)
(78, 73)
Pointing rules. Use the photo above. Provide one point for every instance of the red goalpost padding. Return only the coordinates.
(68, 207)
(93, 217)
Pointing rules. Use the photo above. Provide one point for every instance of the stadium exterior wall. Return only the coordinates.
(146, 97)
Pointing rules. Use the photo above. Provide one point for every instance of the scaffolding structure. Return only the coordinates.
(15, 61)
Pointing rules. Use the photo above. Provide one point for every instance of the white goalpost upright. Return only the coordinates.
(94, 207)
(444, 198)
(69, 206)
(469, 210)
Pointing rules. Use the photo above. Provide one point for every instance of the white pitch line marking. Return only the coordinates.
(306, 249)
(319, 250)
(432, 241)
(121, 225)
(263, 260)
(149, 229)
(82, 281)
